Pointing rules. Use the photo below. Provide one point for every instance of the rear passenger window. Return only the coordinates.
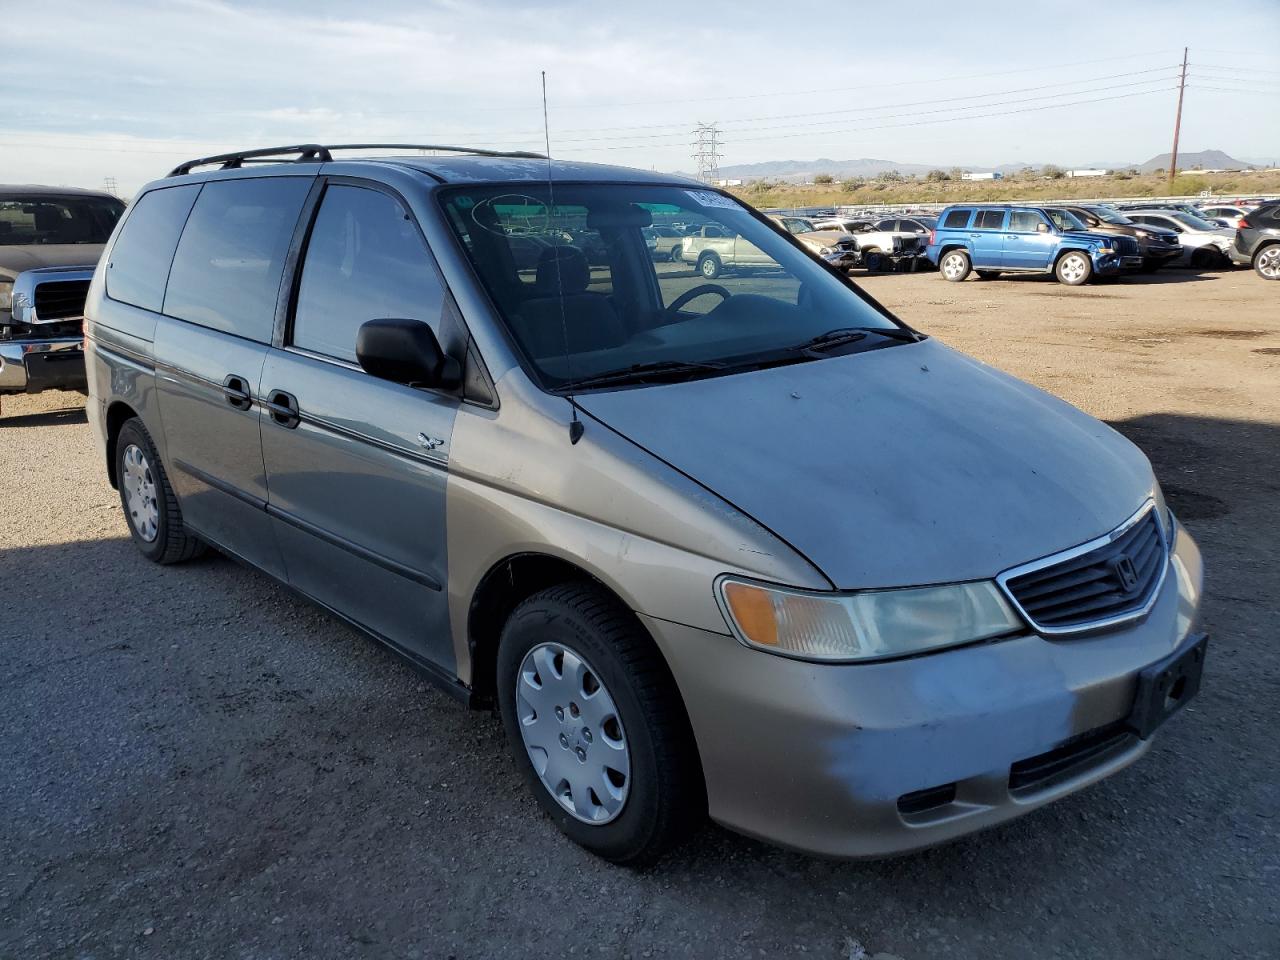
(226, 273)
(956, 220)
(142, 253)
(365, 260)
(989, 220)
(1024, 221)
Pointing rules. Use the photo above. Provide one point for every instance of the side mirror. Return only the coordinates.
(1042, 227)
(406, 351)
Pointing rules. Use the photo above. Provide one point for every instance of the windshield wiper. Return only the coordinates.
(843, 335)
(640, 372)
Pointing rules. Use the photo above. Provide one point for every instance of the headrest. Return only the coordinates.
(628, 215)
(562, 269)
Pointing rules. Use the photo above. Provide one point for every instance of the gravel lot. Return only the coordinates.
(196, 764)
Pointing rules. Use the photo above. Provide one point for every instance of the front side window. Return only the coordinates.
(40, 219)
(226, 273)
(365, 261)
(591, 300)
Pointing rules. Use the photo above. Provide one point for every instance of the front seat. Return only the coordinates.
(562, 313)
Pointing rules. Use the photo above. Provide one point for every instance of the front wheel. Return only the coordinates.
(709, 266)
(677, 255)
(150, 507)
(1074, 268)
(1266, 262)
(1206, 258)
(596, 725)
(955, 266)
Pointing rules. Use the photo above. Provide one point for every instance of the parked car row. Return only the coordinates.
(1080, 242)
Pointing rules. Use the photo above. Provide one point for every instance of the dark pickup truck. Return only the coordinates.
(50, 242)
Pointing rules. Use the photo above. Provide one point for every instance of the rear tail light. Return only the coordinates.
(1242, 224)
(933, 237)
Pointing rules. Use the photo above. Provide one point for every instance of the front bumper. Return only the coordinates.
(29, 366)
(868, 760)
(842, 259)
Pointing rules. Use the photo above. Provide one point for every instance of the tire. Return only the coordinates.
(150, 508)
(1204, 259)
(662, 793)
(1151, 265)
(709, 266)
(1266, 262)
(676, 254)
(1074, 268)
(987, 274)
(873, 260)
(955, 265)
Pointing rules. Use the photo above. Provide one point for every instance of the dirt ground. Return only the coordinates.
(196, 764)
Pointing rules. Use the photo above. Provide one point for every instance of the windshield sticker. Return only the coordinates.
(708, 199)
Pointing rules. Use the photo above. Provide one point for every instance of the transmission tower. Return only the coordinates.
(706, 154)
(110, 184)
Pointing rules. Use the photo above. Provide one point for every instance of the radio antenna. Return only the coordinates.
(576, 427)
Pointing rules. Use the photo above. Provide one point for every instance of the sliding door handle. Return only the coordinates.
(236, 391)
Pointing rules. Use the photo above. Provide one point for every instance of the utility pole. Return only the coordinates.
(707, 151)
(1177, 123)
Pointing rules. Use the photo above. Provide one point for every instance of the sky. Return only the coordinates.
(91, 90)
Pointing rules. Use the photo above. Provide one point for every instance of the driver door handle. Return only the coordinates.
(283, 408)
(236, 391)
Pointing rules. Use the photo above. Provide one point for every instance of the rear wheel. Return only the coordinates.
(1074, 268)
(955, 265)
(1266, 262)
(150, 506)
(709, 266)
(596, 725)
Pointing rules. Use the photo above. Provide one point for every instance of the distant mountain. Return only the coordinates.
(807, 169)
(1204, 160)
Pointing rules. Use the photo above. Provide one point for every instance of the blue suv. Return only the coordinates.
(995, 239)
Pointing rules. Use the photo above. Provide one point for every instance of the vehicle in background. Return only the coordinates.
(664, 243)
(991, 239)
(1127, 208)
(1205, 245)
(1157, 247)
(715, 249)
(1257, 241)
(922, 224)
(50, 241)
(752, 548)
(879, 246)
(1228, 213)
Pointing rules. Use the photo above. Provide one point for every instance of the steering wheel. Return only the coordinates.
(696, 292)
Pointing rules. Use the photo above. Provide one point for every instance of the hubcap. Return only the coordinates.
(1073, 267)
(140, 493)
(573, 733)
(708, 268)
(1269, 263)
(953, 266)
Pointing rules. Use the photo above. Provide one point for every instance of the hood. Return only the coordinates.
(911, 464)
(1096, 237)
(823, 238)
(15, 259)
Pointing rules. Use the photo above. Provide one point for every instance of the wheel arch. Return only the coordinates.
(118, 414)
(955, 245)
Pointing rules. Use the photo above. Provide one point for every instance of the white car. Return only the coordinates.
(1204, 244)
(1230, 213)
(880, 243)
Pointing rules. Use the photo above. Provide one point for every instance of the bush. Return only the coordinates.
(936, 176)
(854, 183)
(1052, 172)
(1185, 185)
(824, 179)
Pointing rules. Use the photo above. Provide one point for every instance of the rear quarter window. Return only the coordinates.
(140, 258)
(226, 272)
(956, 220)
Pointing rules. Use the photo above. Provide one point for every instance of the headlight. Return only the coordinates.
(6, 294)
(1142, 233)
(868, 625)
(1164, 515)
(1106, 251)
(826, 251)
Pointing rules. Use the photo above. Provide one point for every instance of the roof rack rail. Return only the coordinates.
(318, 153)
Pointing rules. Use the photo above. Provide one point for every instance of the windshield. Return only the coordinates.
(1109, 216)
(1194, 222)
(584, 295)
(1064, 221)
(58, 220)
(797, 225)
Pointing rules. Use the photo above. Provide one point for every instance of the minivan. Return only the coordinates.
(752, 548)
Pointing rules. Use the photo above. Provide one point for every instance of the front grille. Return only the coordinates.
(60, 299)
(1109, 582)
(1127, 246)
